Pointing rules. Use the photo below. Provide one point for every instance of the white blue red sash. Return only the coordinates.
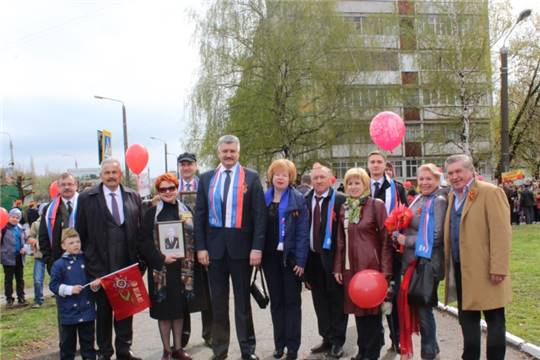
(327, 242)
(426, 229)
(235, 203)
(50, 216)
(194, 184)
(390, 195)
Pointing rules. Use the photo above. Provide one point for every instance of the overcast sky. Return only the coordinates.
(56, 55)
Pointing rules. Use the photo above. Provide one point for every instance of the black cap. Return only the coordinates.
(187, 157)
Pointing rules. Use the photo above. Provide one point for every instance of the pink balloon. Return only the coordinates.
(136, 158)
(53, 189)
(387, 130)
(4, 217)
(367, 288)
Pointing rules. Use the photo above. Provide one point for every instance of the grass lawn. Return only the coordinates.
(522, 315)
(25, 332)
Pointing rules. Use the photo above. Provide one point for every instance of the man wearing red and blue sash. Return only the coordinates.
(58, 215)
(230, 221)
(392, 193)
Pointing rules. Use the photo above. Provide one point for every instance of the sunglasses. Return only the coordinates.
(167, 189)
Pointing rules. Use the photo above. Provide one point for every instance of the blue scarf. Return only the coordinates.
(327, 242)
(283, 203)
(424, 240)
(17, 235)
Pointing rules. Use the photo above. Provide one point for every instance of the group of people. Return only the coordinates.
(524, 202)
(312, 235)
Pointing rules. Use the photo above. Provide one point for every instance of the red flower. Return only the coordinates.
(472, 194)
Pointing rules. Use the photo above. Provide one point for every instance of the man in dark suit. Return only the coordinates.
(392, 193)
(230, 225)
(327, 294)
(58, 215)
(108, 221)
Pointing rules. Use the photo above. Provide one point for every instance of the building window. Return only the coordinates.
(413, 149)
(341, 167)
(409, 78)
(398, 168)
(411, 114)
(411, 166)
(414, 133)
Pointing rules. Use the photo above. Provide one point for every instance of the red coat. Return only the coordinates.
(369, 248)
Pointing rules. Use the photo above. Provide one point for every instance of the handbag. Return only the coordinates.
(259, 292)
(422, 287)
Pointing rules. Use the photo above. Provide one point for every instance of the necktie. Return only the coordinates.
(317, 244)
(115, 212)
(69, 208)
(225, 194)
(376, 185)
(188, 187)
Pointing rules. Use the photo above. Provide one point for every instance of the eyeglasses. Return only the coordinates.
(167, 189)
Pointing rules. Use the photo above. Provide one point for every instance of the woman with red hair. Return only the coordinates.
(170, 279)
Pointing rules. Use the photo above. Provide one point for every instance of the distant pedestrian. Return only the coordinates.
(75, 301)
(305, 184)
(477, 241)
(39, 264)
(12, 256)
(528, 203)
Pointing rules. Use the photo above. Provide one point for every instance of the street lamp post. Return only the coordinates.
(165, 148)
(11, 163)
(124, 123)
(74, 159)
(505, 141)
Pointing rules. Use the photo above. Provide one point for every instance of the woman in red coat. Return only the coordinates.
(362, 244)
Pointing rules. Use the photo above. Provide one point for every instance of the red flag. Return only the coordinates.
(126, 292)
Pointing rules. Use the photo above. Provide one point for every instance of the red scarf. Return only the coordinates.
(408, 316)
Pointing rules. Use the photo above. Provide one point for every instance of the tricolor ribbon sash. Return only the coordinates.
(327, 242)
(426, 229)
(235, 202)
(390, 195)
(50, 216)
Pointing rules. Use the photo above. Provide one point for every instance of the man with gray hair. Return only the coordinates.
(58, 215)
(477, 241)
(230, 221)
(108, 222)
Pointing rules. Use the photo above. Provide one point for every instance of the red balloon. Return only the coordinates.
(367, 288)
(4, 217)
(407, 184)
(387, 130)
(53, 189)
(136, 158)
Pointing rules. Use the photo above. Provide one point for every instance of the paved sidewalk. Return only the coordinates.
(148, 345)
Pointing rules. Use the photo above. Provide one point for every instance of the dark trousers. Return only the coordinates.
(123, 329)
(68, 340)
(16, 271)
(239, 271)
(470, 327)
(206, 317)
(285, 302)
(392, 319)
(528, 211)
(370, 336)
(327, 297)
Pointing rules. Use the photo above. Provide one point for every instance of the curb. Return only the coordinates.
(516, 341)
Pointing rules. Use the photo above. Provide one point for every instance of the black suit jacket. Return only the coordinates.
(54, 252)
(327, 256)
(92, 214)
(238, 242)
(381, 194)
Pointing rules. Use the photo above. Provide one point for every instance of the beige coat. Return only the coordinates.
(484, 246)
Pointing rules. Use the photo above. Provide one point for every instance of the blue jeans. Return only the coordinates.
(39, 275)
(428, 332)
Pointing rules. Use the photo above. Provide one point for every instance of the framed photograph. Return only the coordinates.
(189, 198)
(171, 238)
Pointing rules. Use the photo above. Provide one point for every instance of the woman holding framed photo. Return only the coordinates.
(166, 244)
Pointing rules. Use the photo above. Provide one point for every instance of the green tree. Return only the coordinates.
(276, 74)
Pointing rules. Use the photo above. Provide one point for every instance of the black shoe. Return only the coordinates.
(219, 357)
(9, 302)
(278, 353)
(21, 301)
(336, 351)
(185, 338)
(208, 342)
(395, 348)
(128, 356)
(322, 347)
(249, 357)
(291, 356)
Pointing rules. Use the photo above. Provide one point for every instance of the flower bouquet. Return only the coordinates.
(398, 220)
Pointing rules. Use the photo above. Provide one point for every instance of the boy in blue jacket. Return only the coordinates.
(74, 300)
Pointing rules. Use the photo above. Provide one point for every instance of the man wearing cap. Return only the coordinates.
(187, 167)
(58, 215)
(189, 182)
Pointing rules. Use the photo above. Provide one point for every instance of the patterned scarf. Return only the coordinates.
(426, 229)
(283, 203)
(160, 276)
(355, 206)
(235, 200)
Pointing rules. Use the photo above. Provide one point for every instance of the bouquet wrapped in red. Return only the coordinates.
(399, 219)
